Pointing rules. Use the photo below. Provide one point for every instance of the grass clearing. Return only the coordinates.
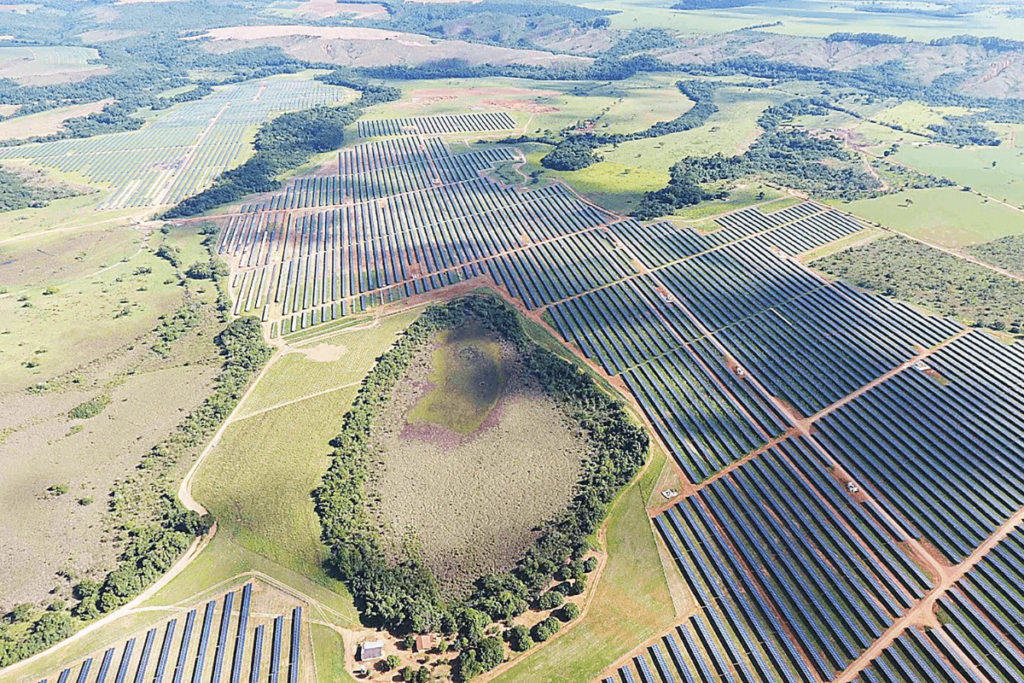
(945, 216)
(467, 380)
(46, 122)
(325, 363)
(258, 479)
(995, 171)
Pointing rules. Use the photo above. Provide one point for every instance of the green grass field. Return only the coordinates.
(632, 602)
(257, 481)
(468, 380)
(730, 131)
(321, 365)
(945, 216)
(807, 18)
(995, 171)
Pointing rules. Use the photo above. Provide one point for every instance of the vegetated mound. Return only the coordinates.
(474, 454)
(534, 455)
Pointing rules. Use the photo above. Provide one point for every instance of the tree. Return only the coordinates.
(569, 612)
(519, 639)
(545, 629)
(390, 663)
(590, 564)
(550, 600)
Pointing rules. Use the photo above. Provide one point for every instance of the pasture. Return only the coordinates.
(809, 18)
(49, 65)
(47, 122)
(995, 171)
(945, 216)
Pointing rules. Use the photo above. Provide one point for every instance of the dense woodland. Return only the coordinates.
(403, 596)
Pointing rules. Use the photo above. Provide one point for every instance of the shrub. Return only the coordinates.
(569, 612)
(519, 639)
(590, 564)
(90, 408)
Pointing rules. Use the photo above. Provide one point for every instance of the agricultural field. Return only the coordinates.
(45, 123)
(995, 171)
(49, 65)
(946, 216)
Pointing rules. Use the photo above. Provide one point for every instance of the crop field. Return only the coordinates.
(180, 152)
(215, 640)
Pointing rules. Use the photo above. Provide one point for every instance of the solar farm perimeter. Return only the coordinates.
(851, 466)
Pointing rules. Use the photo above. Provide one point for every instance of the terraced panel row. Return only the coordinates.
(942, 445)
(437, 125)
(823, 345)
(778, 540)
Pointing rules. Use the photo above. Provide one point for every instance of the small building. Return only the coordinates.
(424, 642)
(371, 651)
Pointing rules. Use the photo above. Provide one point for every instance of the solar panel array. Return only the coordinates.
(181, 151)
(180, 657)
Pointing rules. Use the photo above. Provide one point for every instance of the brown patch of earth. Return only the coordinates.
(324, 353)
(473, 501)
(522, 105)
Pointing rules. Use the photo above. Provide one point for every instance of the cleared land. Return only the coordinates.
(473, 456)
(47, 122)
(945, 216)
(995, 171)
(358, 46)
(49, 65)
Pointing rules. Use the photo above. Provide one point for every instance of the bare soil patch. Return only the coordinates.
(324, 353)
(472, 501)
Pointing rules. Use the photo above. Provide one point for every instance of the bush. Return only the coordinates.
(569, 612)
(519, 639)
(590, 564)
(550, 600)
(90, 408)
(545, 629)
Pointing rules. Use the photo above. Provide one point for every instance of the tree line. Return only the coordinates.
(402, 595)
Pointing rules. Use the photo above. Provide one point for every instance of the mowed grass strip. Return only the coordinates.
(467, 378)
